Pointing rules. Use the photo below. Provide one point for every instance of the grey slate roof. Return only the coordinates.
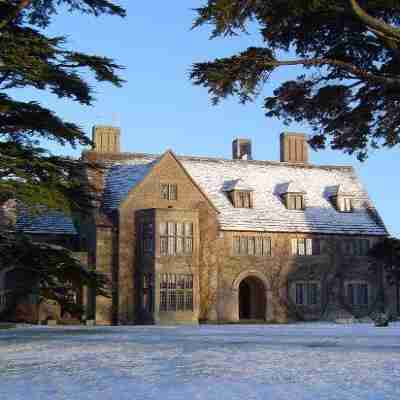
(267, 180)
(49, 222)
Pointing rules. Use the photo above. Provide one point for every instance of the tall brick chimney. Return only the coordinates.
(241, 149)
(294, 147)
(106, 139)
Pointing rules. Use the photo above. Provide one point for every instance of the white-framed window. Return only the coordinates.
(252, 246)
(307, 293)
(356, 247)
(176, 292)
(306, 247)
(357, 293)
(169, 191)
(176, 238)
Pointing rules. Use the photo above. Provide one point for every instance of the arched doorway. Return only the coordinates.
(252, 299)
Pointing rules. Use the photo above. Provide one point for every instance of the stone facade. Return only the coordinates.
(225, 286)
(179, 243)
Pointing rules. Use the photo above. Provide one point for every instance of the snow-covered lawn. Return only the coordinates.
(302, 361)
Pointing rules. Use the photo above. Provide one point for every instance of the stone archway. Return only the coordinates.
(252, 299)
(252, 296)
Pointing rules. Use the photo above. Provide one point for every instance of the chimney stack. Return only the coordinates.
(294, 148)
(241, 149)
(106, 139)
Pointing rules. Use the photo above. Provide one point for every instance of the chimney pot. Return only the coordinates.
(106, 139)
(294, 147)
(241, 149)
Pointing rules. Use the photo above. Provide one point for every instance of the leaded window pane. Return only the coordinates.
(259, 246)
(236, 245)
(164, 191)
(179, 245)
(188, 245)
(173, 192)
(298, 202)
(299, 293)
(266, 246)
(316, 247)
(181, 281)
(309, 247)
(171, 245)
(364, 247)
(163, 300)
(164, 281)
(189, 301)
(350, 293)
(302, 248)
(189, 281)
(243, 245)
(171, 300)
(295, 247)
(181, 300)
(291, 202)
(250, 244)
(312, 290)
(164, 245)
(188, 229)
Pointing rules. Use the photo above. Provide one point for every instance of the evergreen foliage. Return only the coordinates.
(28, 172)
(349, 92)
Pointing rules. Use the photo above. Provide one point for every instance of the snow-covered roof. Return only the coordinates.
(290, 187)
(237, 184)
(267, 180)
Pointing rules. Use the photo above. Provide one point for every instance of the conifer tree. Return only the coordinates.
(349, 92)
(30, 174)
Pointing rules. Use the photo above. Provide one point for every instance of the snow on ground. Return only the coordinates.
(299, 362)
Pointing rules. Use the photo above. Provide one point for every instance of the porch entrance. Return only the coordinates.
(252, 300)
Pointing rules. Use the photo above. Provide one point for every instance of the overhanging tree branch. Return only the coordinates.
(15, 12)
(377, 26)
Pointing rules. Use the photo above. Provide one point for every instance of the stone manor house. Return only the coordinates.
(186, 238)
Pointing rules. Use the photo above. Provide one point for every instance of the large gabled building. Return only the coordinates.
(186, 238)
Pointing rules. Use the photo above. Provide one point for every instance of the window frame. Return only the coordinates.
(147, 295)
(176, 238)
(356, 247)
(176, 292)
(295, 201)
(359, 296)
(261, 246)
(243, 199)
(308, 291)
(305, 247)
(169, 191)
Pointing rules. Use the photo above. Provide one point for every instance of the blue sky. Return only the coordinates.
(159, 108)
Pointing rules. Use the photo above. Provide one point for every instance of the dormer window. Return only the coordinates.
(295, 202)
(347, 204)
(293, 196)
(239, 193)
(343, 200)
(243, 200)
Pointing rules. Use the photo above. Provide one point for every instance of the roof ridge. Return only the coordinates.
(126, 156)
